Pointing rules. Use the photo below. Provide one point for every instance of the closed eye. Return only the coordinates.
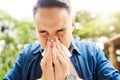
(42, 31)
(61, 30)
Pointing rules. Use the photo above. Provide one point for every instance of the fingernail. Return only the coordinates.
(52, 40)
(50, 43)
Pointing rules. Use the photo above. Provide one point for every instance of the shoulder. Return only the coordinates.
(27, 53)
(85, 44)
(86, 48)
(31, 48)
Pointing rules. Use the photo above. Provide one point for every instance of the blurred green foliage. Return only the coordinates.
(95, 25)
(15, 35)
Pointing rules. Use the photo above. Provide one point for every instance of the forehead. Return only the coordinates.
(51, 17)
(51, 12)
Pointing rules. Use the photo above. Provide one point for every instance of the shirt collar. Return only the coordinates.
(75, 46)
(37, 49)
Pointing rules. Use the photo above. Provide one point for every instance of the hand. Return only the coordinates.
(60, 61)
(47, 64)
(63, 65)
(56, 64)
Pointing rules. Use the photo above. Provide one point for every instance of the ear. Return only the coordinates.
(73, 23)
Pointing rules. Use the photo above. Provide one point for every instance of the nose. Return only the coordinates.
(52, 38)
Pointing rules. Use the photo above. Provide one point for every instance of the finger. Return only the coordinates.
(58, 46)
(47, 67)
(43, 62)
(57, 68)
(46, 63)
(44, 53)
(49, 55)
(68, 53)
(63, 52)
(43, 67)
(63, 57)
(61, 66)
(47, 49)
(50, 42)
(57, 57)
(54, 55)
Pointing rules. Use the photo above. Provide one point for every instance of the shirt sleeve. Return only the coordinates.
(16, 72)
(105, 71)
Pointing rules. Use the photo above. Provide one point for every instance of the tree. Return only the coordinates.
(95, 25)
(15, 34)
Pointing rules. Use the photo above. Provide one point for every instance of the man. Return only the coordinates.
(58, 56)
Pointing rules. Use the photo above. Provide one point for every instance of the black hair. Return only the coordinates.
(52, 3)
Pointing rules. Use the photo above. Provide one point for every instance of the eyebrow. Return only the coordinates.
(42, 31)
(63, 29)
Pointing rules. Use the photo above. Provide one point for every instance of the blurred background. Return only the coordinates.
(96, 20)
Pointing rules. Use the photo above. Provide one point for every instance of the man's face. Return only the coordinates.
(53, 22)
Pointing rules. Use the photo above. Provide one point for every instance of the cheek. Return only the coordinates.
(66, 39)
(43, 41)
